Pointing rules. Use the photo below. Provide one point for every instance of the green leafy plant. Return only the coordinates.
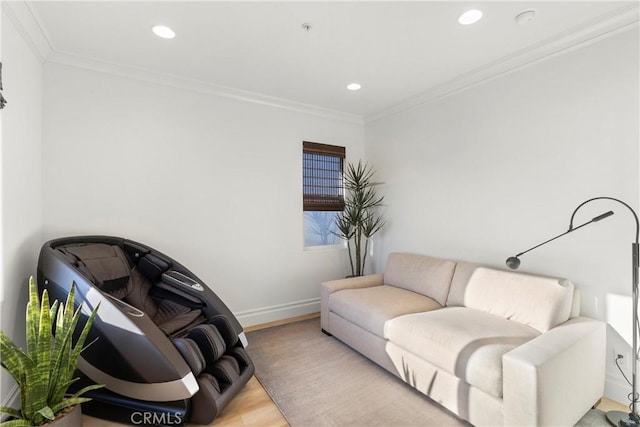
(359, 220)
(45, 370)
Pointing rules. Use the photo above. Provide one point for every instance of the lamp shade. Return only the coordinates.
(513, 262)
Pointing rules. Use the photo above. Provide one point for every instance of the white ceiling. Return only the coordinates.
(395, 50)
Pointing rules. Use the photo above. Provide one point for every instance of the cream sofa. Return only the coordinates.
(495, 347)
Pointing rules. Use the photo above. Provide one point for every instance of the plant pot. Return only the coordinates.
(70, 417)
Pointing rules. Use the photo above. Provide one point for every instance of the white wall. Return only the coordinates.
(477, 176)
(21, 185)
(214, 182)
(495, 169)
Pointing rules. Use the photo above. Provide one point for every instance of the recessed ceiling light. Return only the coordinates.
(164, 32)
(353, 86)
(470, 17)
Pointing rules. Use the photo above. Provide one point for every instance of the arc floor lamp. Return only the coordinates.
(616, 418)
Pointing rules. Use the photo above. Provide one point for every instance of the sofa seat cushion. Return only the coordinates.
(465, 342)
(371, 308)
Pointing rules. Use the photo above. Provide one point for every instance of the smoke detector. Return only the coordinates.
(525, 17)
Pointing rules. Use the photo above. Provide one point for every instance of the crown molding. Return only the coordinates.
(28, 26)
(193, 85)
(619, 21)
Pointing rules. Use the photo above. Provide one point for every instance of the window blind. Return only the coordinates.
(323, 188)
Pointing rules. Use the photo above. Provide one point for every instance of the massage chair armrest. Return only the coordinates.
(327, 288)
(556, 377)
(181, 281)
(174, 293)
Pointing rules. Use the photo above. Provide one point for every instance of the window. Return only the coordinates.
(322, 177)
(323, 191)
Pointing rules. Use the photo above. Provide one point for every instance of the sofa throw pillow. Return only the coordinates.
(421, 274)
(539, 302)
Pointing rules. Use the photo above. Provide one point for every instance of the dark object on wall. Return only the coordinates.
(615, 418)
(168, 350)
(3, 101)
(514, 261)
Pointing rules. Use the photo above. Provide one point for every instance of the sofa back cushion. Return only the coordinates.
(459, 282)
(539, 302)
(421, 274)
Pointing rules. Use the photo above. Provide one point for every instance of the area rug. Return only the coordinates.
(315, 380)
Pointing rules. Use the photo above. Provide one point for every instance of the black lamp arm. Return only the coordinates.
(635, 253)
(570, 230)
(607, 198)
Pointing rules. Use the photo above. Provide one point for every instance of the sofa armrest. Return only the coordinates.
(327, 288)
(555, 378)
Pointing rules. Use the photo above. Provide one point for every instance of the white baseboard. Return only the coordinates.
(278, 312)
(11, 399)
(616, 388)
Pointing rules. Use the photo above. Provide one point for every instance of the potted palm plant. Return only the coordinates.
(44, 371)
(359, 220)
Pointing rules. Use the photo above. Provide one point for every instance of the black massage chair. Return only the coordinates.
(167, 349)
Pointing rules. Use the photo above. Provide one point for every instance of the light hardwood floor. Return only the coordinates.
(253, 406)
(607, 405)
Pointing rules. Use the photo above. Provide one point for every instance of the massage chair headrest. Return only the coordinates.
(106, 265)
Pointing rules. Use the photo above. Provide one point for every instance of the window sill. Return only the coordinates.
(323, 248)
